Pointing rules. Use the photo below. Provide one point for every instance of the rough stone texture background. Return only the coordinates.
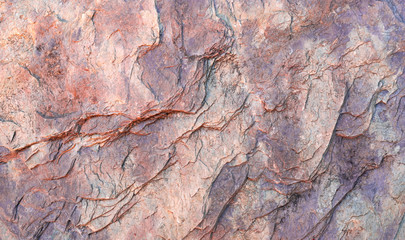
(202, 119)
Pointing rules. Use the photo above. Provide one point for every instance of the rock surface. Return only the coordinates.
(202, 119)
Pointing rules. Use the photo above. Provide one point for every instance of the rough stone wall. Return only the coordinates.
(202, 119)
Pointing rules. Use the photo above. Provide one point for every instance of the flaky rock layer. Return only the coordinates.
(202, 119)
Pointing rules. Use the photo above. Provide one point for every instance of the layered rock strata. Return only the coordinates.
(202, 119)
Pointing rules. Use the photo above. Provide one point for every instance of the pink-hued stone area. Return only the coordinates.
(202, 119)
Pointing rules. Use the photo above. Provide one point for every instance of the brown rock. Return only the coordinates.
(202, 119)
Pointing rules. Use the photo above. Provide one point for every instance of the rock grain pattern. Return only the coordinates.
(202, 119)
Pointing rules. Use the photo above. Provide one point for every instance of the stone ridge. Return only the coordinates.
(202, 119)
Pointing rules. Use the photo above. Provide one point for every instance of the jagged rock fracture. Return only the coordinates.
(202, 119)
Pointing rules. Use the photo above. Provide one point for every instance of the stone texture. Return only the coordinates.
(202, 119)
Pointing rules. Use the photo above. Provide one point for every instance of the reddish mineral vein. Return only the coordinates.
(209, 119)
